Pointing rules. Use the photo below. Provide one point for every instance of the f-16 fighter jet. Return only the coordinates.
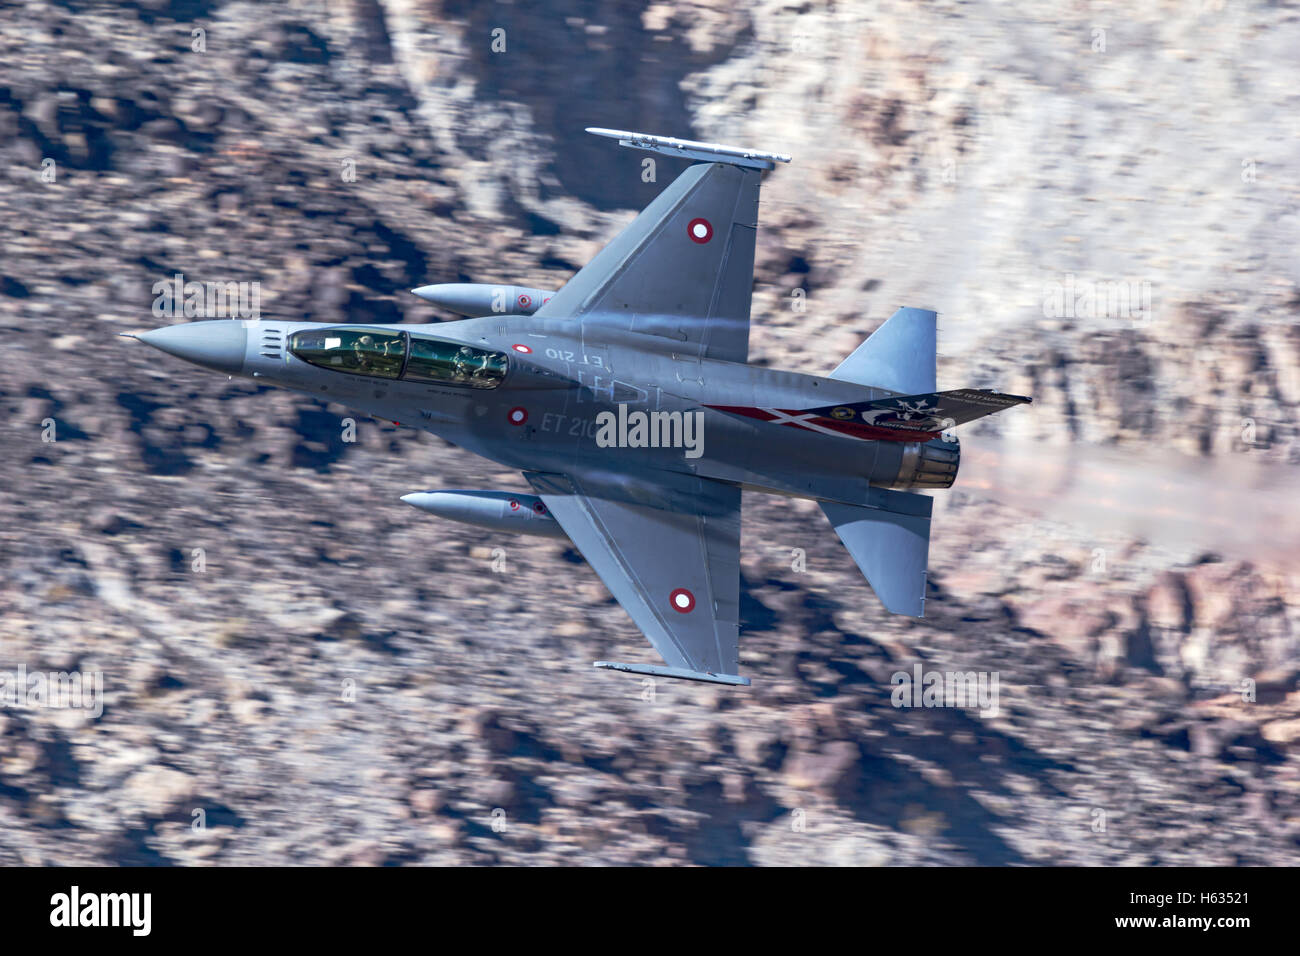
(626, 400)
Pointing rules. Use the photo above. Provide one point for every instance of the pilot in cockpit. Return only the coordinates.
(464, 364)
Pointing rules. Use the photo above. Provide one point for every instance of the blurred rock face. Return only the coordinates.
(297, 668)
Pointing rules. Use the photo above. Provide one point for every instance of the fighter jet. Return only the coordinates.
(626, 400)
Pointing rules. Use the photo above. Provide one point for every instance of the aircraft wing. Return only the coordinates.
(684, 268)
(671, 558)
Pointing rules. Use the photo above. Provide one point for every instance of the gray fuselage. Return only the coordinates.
(543, 414)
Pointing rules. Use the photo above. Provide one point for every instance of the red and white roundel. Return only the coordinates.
(539, 508)
(682, 601)
(525, 301)
(514, 505)
(521, 348)
(518, 415)
(700, 230)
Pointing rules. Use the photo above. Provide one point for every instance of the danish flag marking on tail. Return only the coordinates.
(816, 422)
(799, 420)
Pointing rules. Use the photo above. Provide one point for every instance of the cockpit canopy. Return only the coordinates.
(385, 353)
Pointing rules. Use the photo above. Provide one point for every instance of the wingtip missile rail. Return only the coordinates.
(692, 149)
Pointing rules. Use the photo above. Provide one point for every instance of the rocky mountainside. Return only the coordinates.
(1102, 202)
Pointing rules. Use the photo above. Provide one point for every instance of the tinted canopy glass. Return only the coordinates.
(434, 361)
(376, 352)
(383, 353)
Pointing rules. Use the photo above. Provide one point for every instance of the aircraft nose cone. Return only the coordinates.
(217, 344)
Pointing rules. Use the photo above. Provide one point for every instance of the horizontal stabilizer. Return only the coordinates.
(914, 416)
(891, 548)
(680, 673)
(898, 356)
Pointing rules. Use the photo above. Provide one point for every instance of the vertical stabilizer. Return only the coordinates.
(899, 356)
